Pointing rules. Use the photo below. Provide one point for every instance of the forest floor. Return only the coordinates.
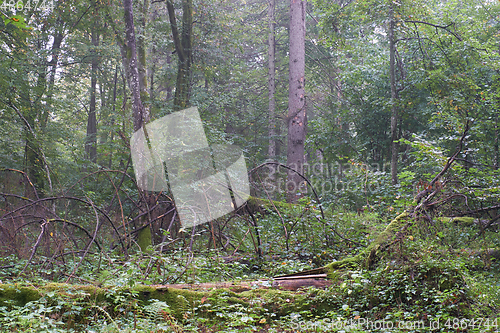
(419, 283)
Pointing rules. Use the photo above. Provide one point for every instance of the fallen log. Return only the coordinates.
(292, 283)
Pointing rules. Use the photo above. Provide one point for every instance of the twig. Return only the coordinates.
(35, 202)
(338, 234)
(448, 164)
(279, 214)
(65, 222)
(444, 27)
(257, 247)
(302, 176)
(35, 247)
(97, 226)
(487, 225)
(485, 209)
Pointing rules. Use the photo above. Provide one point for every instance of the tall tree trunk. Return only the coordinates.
(139, 113)
(272, 91)
(184, 51)
(297, 117)
(115, 84)
(152, 76)
(394, 98)
(91, 141)
(56, 50)
(33, 158)
(272, 83)
(35, 117)
(168, 86)
(141, 55)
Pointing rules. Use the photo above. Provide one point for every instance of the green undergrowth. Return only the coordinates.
(401, 290)
(412, 274)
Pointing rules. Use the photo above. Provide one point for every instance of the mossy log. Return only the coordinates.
(462, 220)
(263, 206)
(180, 301)
(368, 256)
(292, 284)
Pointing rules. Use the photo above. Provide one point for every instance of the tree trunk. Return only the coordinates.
(184, 51)
(91, 141)
(139, 113)
(115, 84)
(297, 118)
(394, 98)
(152, 76)
(33, 159)
(141, 56)
(272, 83)
(56, 50)
(35, 117)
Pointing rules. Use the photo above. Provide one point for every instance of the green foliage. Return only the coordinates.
(427, 288)
(438, 268)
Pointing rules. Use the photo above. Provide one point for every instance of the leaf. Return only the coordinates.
(18, 21)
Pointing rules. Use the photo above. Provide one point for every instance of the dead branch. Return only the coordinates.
(97, 226)
(449, 162)
(65, 222)
(480, 210)
(444, 27)
(487, 225)
(35, 247)
(298, 173)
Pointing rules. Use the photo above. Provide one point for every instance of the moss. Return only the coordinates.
(18, 295)
(278, 302)
(347, 263)
(463, 220)
(261, 205)
(144, 238)
(390, 230)
(180, 301)
(368, 256)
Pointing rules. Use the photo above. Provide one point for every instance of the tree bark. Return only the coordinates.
(115, 84)
(272, 83)
(33, 157)
(297, 117)
(91, 141)
(55, 52)
(141, 56)
(394, 98)
(139, 113)
(184, 51)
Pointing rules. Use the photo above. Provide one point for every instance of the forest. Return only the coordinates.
(249, 166)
